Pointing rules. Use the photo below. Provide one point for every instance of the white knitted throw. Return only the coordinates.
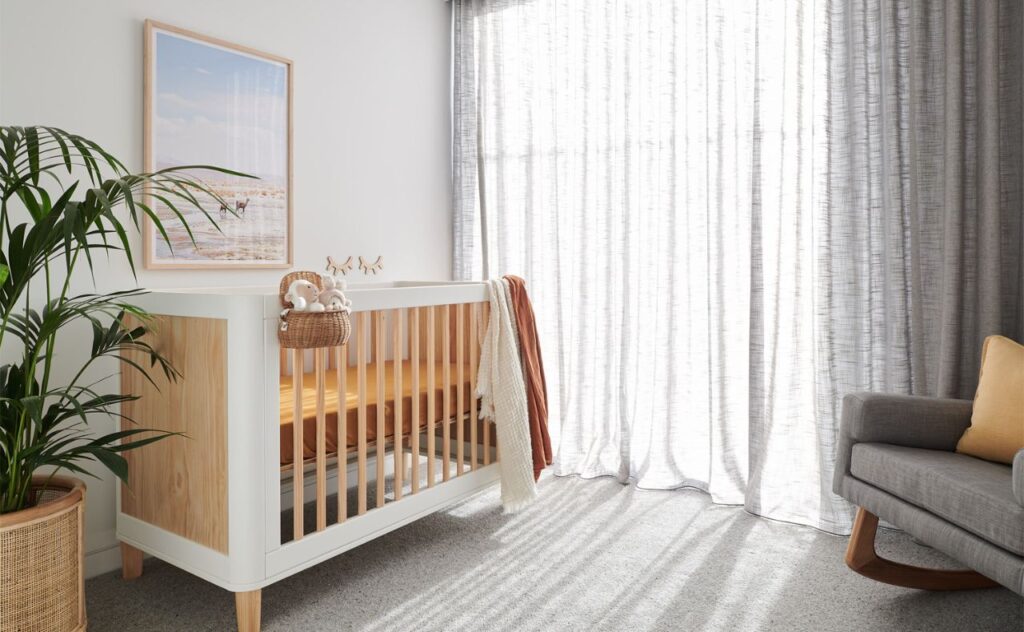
(502, 391)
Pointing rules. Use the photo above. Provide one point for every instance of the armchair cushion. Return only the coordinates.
(973, 494)
(997, 423)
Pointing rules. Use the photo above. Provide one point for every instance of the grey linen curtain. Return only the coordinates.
(731, 213)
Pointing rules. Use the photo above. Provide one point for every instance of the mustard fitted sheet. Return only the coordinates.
(352, 405)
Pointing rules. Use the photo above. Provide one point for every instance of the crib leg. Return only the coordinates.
(247, 610)
(131, 562)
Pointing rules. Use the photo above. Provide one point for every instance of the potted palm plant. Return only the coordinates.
(75, 201)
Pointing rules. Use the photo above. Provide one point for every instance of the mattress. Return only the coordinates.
(351, 405)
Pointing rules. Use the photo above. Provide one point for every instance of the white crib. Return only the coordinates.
(212, 502)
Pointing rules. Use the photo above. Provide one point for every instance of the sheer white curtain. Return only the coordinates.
(678, 183)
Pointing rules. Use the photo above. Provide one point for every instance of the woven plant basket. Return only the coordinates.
(311, 330)
(42, 585)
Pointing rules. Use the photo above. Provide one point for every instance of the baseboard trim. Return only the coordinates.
(103, 560)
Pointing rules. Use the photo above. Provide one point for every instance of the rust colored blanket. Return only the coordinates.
(533, 369)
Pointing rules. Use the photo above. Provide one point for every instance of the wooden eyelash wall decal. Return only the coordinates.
(344, 267)
(374, 267)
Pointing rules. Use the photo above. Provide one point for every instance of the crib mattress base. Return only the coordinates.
(287, 404)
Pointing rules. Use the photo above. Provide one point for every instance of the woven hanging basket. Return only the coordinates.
(42, 585)
(310, 330)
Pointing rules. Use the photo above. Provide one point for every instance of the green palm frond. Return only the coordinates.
(79, 201)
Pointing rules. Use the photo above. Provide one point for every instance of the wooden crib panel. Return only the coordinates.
(397, 356)
(180, 484)
(414, 358)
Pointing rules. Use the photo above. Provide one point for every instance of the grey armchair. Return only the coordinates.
(897, 461)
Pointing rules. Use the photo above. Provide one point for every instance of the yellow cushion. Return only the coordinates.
(997, 423)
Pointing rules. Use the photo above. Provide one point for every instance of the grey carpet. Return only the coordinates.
(590, 555)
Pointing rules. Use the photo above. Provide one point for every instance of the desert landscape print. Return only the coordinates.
(213, 105)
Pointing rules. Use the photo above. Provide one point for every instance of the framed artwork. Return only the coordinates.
(209, 102)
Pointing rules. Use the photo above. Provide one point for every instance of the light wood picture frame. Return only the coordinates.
(211, 102)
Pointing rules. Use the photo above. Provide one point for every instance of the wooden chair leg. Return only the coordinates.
(862, 558)
(131, 562)
(247, 610)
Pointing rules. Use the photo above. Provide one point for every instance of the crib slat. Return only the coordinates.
(414, 360)
(341, 373)
(297, 446)
(485, 319)
(474, 354)
(379, 353)
(446, 399)
(362, 333)
(397, 360)
(320, 368)
(431, 395)
(487, 442)
(460, 370)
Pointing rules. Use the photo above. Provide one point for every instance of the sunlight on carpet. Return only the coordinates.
(590, 554)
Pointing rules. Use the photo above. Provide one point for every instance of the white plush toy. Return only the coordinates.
(303, 296)
(333, 296)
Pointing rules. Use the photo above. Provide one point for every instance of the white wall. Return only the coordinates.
(371, 131)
